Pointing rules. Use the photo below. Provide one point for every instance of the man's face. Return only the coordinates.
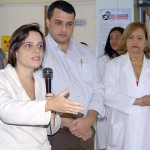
(60, 26)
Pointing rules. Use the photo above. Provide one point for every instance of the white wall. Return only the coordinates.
(87, 33)
(14, 15)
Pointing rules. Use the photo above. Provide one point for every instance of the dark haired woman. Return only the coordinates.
(25, 108)
(111, 51)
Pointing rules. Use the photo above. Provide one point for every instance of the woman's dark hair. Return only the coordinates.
(18, 37)
(108, 49)
(62, 5)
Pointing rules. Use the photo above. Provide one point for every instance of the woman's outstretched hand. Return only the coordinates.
(59, 103)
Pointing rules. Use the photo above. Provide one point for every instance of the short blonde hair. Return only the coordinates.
(128, 31)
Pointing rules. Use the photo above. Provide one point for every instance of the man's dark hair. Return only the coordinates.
(62, 5)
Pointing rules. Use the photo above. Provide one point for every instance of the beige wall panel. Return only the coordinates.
(37, 1)
(13, 16)
(86, 33)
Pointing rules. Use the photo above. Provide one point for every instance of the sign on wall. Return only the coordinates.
(5, 43)
(111, 13)
(109, 18)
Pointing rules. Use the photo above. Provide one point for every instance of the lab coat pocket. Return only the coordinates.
(86, 72)
(115, 134)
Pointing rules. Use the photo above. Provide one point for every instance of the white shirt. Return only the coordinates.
(76, 70)
(22, 121)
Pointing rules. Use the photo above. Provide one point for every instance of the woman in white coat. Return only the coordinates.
(25, 108)
(111, 51)
(127, 90)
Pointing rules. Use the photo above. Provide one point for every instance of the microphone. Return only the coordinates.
(48, 75)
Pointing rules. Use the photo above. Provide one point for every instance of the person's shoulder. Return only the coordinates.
(3, 72)
(82, 46)
(47, 37)
(2, 52)
(120, 60)
(104, 58)
(84, 50)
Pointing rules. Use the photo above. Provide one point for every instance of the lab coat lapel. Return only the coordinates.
(128, 69)
(145, 70)
(39, 87)
(16, 86)
(145, 74)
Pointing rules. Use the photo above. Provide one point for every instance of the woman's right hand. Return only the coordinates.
(59, 103)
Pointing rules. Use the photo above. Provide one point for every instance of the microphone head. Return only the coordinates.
(47, 73)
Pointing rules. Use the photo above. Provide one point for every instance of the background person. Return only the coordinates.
(24, 109)
(111, 51)
(3, 59)
(127, 91)
(74, 66)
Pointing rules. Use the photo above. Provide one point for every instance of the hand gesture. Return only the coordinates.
(59, 103)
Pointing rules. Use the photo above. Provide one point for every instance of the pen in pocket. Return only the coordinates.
(81, 62)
